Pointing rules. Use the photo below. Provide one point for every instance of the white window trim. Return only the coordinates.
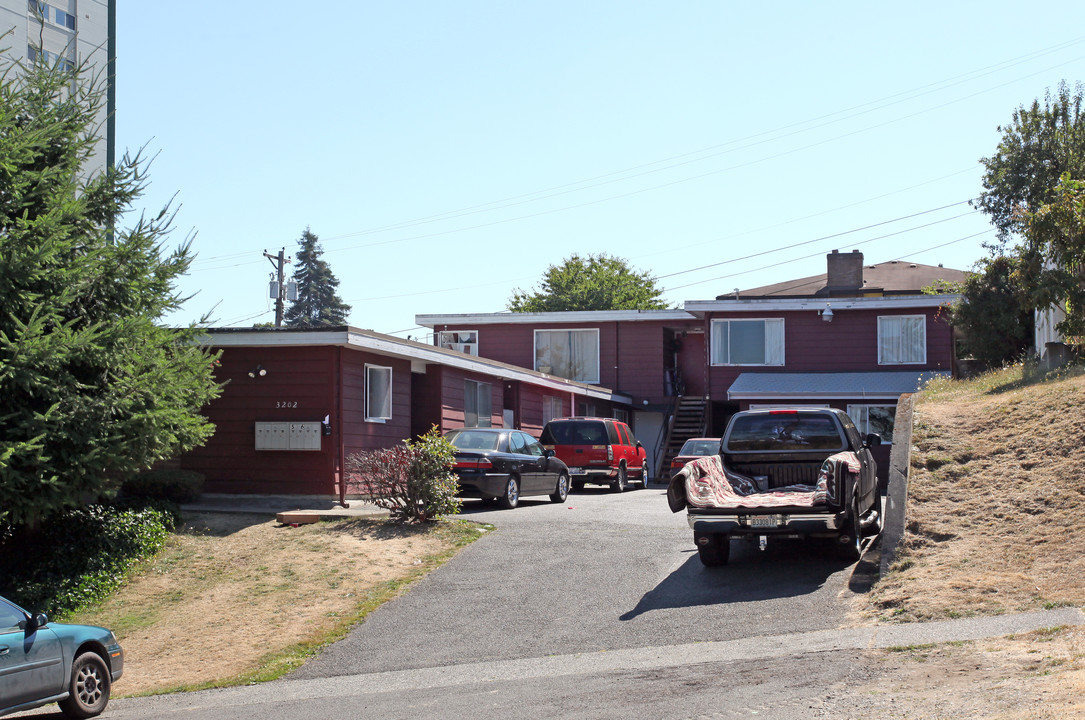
(469, 348)
(598, 350)
(712, 342)
(865, 431)
(378, 418)
(482, 389)
(923, 319)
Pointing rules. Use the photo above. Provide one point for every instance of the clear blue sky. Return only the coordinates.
(447, 152)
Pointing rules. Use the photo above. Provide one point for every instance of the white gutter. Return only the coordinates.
(406, 349)
(767, 305)
(579, 316)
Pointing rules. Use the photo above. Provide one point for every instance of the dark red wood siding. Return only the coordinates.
(630, 353)
(300, 386)
(848, 344)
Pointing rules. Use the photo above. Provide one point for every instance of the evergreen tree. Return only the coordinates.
(91, 387)
(318, 304)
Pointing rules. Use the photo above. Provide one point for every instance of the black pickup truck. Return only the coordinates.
(787, 472)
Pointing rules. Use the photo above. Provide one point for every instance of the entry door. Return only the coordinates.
(691, 363)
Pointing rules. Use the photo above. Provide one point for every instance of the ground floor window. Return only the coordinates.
(876, 419)
(476, 404)
(378, 393)
(551, 408)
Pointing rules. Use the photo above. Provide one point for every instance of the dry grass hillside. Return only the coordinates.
(995, 524)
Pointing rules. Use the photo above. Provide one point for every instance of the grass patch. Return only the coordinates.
(288, 593)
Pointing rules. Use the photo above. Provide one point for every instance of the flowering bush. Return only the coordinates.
(413, 481)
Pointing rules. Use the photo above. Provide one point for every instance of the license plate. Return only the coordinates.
(765, 521)
(576, 471)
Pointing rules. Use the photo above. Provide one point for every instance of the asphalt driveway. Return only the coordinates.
(602, 571)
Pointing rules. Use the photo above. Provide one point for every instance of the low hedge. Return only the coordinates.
(77, 557)
(179, 486)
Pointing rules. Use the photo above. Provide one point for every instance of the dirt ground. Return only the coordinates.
(233, 596)
(994, 525)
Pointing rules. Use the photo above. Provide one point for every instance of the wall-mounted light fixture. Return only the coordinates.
(258, 371)
(827, 313)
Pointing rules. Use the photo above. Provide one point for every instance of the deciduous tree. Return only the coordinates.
(595, 282)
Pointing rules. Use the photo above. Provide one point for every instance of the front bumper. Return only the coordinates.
(781, 522)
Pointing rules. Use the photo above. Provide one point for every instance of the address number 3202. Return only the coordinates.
(286, 404)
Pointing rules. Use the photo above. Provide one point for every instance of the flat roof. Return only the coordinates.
(420, 354)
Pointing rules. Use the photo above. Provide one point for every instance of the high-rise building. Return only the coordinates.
(72, 33)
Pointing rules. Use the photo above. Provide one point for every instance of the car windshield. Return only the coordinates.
(467, 440)
(783, 431)
(575, 432)
(700, 447)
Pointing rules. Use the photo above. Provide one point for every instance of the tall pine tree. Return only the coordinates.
(318, 304)
(92, 386)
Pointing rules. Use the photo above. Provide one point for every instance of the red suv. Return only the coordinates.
(597, 450)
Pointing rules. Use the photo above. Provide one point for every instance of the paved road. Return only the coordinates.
(594, 608)
(600, 572)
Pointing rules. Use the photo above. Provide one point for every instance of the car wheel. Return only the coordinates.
(621, 481)
(512, 494)
(562, 490)
(714, 549)
(852, 549)
(88, 688)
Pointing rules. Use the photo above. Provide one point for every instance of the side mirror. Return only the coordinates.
(873, 440)
(548, 453)
(36, 621)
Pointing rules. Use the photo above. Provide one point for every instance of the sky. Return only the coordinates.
(447, 153)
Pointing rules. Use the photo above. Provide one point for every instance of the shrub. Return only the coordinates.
(413, 481)
(179, 486)
(77, 557)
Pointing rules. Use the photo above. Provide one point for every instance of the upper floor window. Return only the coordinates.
(462, 340)
(378, 393)
(477, 398)
(52, 15)
(902, 339)
(571, 354)
(748, 342)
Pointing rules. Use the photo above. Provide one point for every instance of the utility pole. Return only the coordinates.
(279, 262)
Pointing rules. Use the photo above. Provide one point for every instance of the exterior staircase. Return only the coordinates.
(690, 421)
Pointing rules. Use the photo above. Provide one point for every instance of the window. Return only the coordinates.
(378, 393)
(902, 339)
(571, 354)
(876, 419)
(463, 340)
(585, 409)
(9, 618)
(551, 408)
(476, 404)
(748, 342)
(621, 414)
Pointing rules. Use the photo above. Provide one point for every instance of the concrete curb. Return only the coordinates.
(896, 499)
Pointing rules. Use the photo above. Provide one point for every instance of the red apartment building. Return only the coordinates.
(854, 338)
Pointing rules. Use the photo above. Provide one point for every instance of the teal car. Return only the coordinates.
(43, 662)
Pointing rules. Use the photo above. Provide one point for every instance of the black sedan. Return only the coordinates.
(506, 464)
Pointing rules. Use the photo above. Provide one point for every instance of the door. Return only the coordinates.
(31, 664)
(691, 363)
(543, 479)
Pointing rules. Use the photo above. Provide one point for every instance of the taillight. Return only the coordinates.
(610, 453)
(474, 464)
(676, 464)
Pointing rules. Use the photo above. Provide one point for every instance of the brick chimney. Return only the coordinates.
(845, 272)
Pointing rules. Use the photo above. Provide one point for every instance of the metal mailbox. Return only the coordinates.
(288, 435)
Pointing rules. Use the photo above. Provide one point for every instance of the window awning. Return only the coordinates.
(829, 386)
